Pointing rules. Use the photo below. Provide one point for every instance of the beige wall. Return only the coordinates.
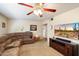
(5, 20)
(24, 25)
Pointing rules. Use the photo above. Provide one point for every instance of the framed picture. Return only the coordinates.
(33, 27)
(3, 25)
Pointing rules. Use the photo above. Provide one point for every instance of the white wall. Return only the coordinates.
(64, 18)
(71, 16)
(49, 27)
(5, 20)
(50, 31)
(67, 17)
(24, 25)
(18, 25)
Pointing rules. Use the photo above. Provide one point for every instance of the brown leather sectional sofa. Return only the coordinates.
(10, 40)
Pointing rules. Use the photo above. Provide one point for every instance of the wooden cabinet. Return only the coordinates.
(63, 47)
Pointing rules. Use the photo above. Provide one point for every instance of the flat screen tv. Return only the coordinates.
(70, 30)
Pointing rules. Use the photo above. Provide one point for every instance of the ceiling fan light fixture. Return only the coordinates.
(38, 9)
(38, 12)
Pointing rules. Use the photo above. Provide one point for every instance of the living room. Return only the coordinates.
(13, 20)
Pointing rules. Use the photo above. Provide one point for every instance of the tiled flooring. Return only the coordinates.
(39, 48)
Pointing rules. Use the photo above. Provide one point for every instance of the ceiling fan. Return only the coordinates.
(38, 9)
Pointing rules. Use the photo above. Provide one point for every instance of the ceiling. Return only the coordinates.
(16, 11)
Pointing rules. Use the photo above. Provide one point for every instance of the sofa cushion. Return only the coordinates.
(11, 52)
(3, 39)
(14, 44)
(2, 47)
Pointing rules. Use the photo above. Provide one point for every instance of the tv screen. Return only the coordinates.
(70, 30)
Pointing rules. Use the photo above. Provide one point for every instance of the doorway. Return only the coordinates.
(45, 31)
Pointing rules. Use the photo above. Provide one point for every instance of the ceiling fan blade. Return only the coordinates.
(30, 13)
(50, 10)
(26, 5)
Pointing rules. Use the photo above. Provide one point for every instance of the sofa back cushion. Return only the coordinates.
(3, 39)
(28, 34)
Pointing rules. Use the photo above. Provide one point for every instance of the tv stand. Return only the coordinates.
(65, 47)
